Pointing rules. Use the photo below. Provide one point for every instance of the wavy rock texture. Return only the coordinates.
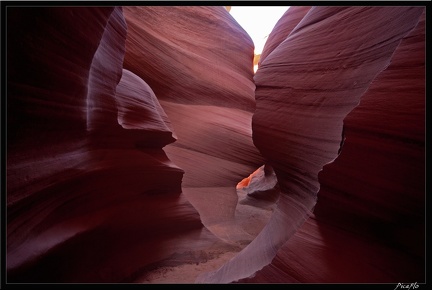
(196, 55)
(368, 224)
(90, 189)
(204, 83)
(305, 88)
(139, 110)
(129, 129)
(283, 28)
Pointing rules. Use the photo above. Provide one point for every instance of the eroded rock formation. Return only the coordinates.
(283, 28)
(305, 88)
(191, 55)
(261, 187)
(90, 189)
(204, 83)
(129, 130)
(370, 210)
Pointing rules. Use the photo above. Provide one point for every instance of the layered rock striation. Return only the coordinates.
(139, 138)
(196, 55)
(90, 189)
(305, 88)
(368, 223)
(289, 20)
(198, 61)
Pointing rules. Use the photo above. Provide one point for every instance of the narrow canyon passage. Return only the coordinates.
(214, 139)
(142, 148)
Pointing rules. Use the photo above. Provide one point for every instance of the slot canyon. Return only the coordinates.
(142, 148)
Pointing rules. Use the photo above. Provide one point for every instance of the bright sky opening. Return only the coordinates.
(258, 22)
